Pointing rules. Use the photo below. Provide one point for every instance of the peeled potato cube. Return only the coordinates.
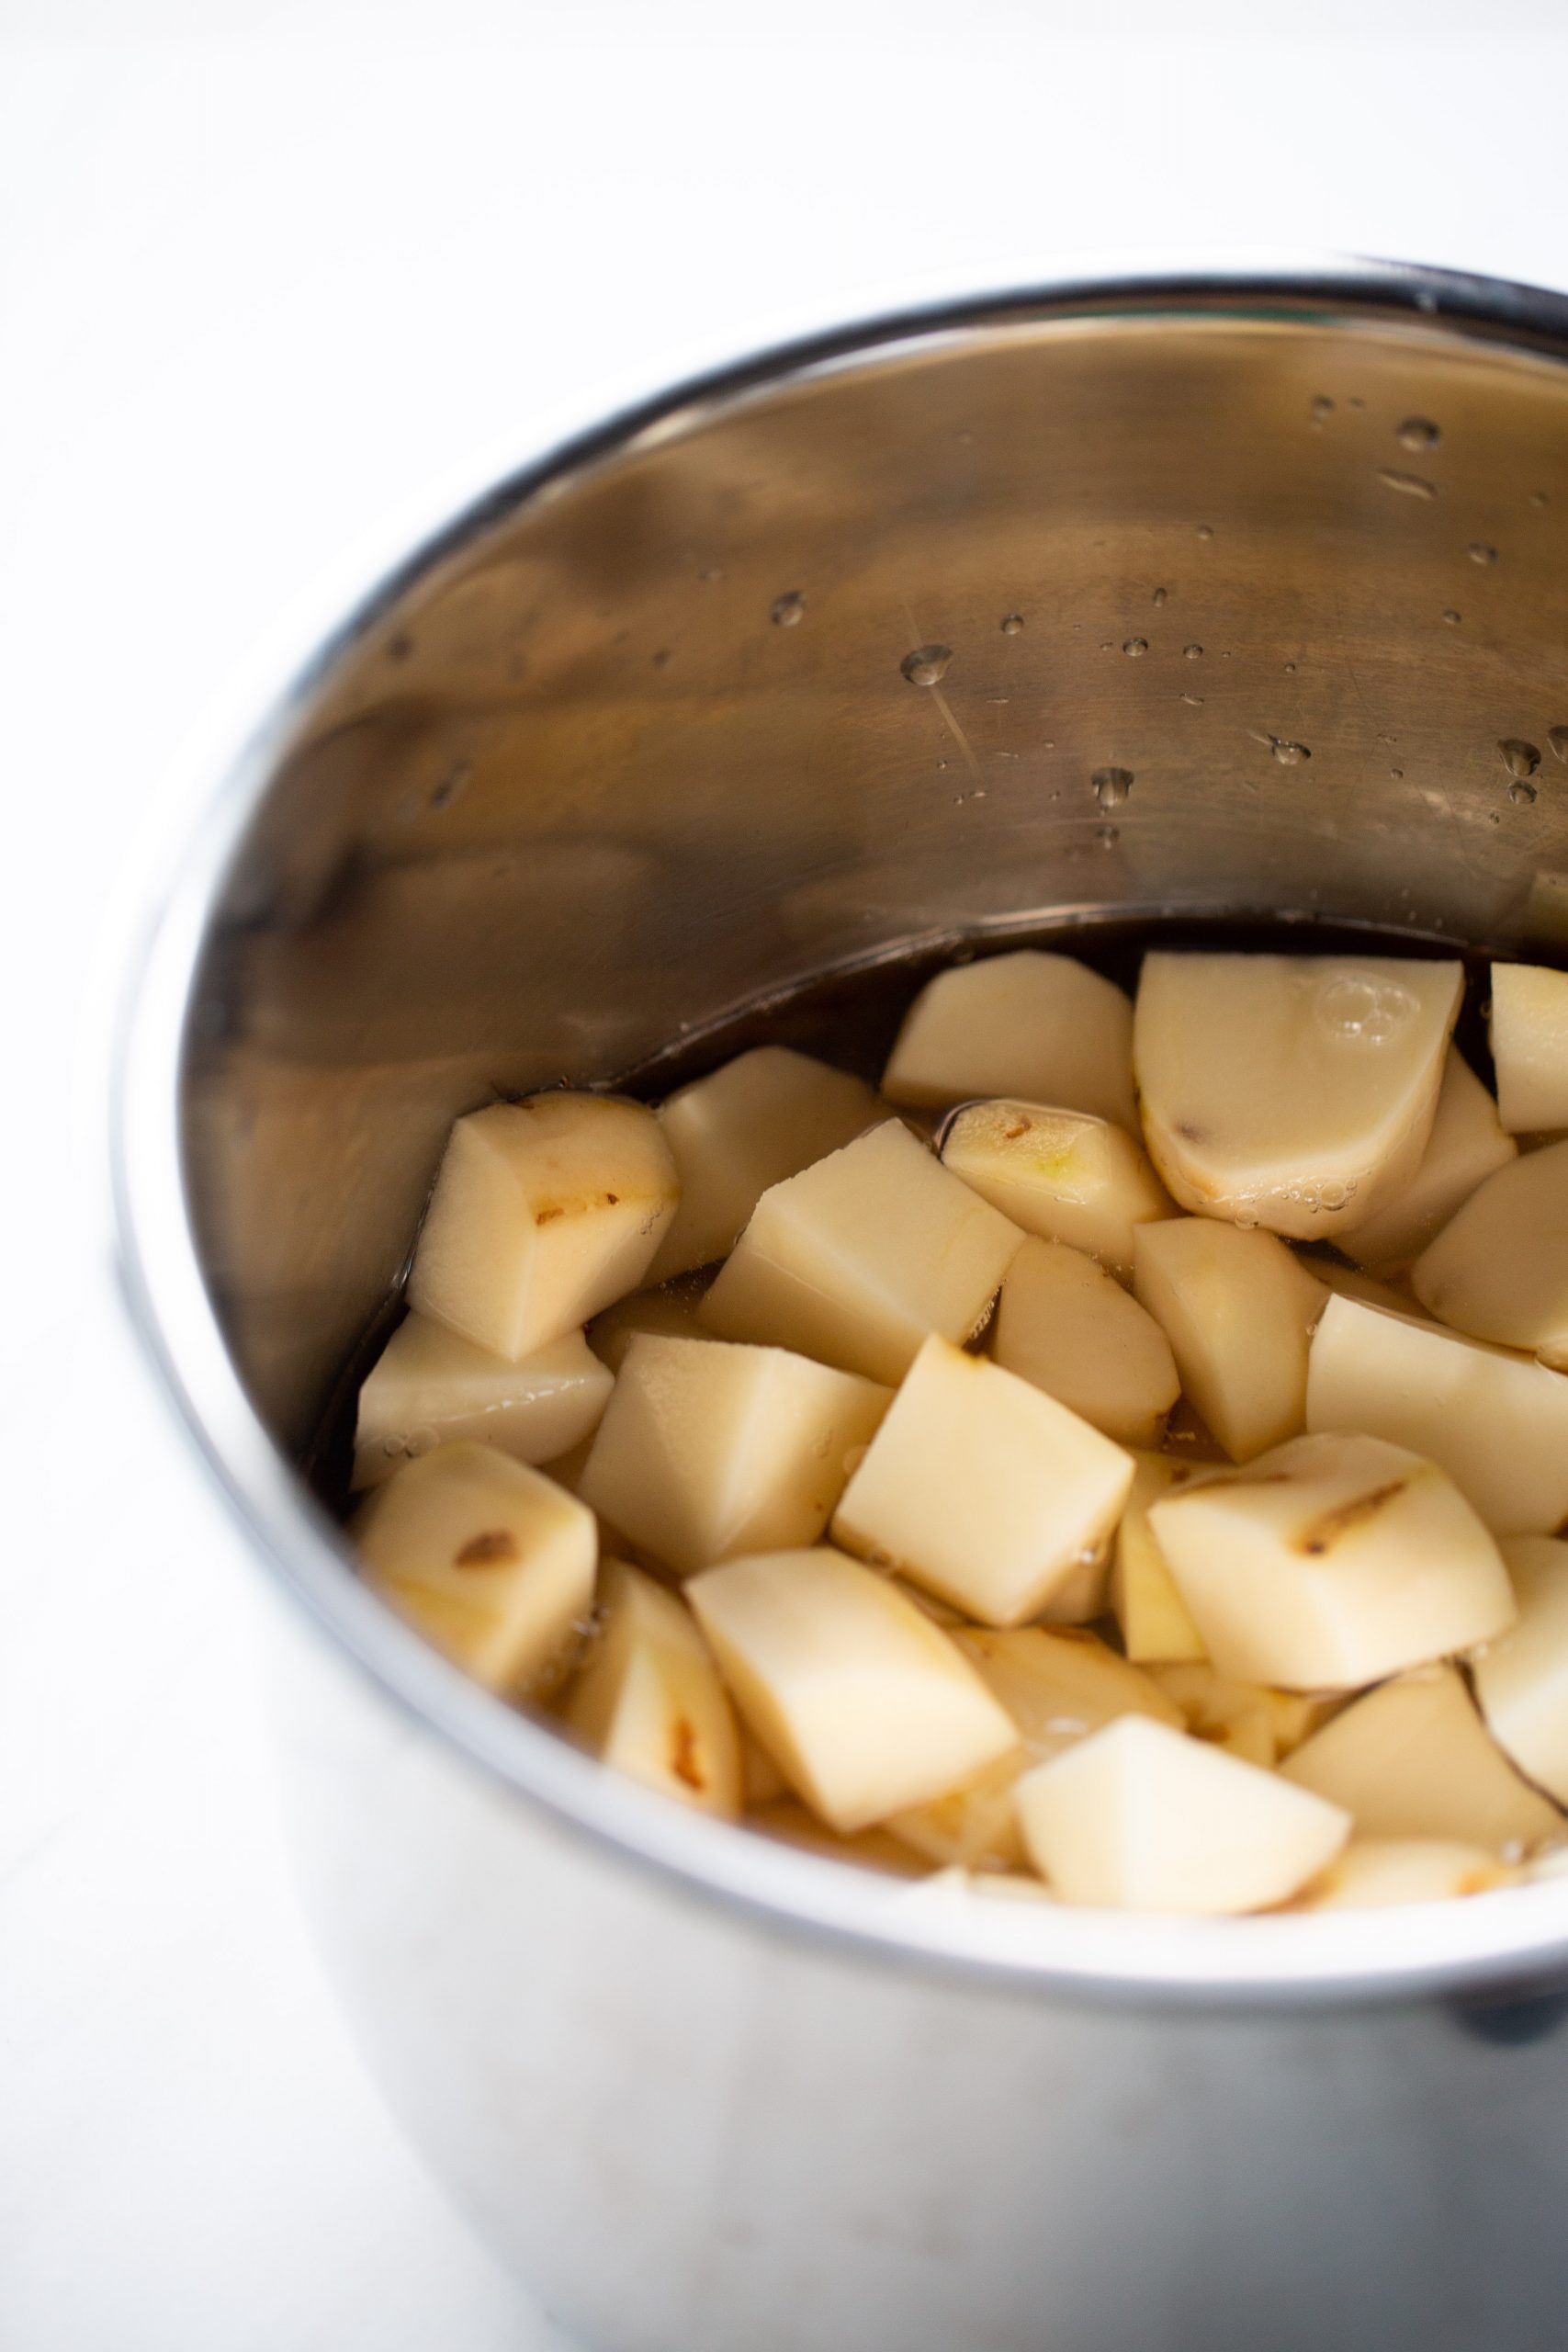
(1155, 1623)
(1059, 1174)
(1499, 1268)
(1138, 1817)
(1292, 1092)
(1529, 1045)
(1330, 1561)
(858, 1258)
(1247, 1719)
(972, 1828)
(491, 1560)
(1413, 1759)
(1372, 1873)
(1466, 1143)
(865, 1706)
(544, 1211)
(1041, 1027)
(1237, 1310)
(708, 1449)
(430, 1386)
(1496, 1421)
(764, 1116)
(648, 1701)
(1067, 1326)
(982, 1487)
(671, 1312)
(1521, 1679)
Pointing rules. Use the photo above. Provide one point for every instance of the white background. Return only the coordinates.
(268, 272)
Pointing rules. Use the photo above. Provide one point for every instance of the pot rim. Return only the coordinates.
(1510, 1942)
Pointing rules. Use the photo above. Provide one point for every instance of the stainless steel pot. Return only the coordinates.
(630, 746)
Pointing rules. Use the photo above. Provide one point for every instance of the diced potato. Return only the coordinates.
(1374, 1873)
(1059, 1174)
(1413, 1759)
(708, 1449)
(1529, 1045)
(1295, 1092)
(1522, 1679)
(1338, 1282)
(974, 1828)
(865, 1706)
(1139, 1818)
(1499, 1268)
(491, 1560)
(982, 1487)
(1041, 1027)
(1247, 1719)
(1330, 1561)
(1497, 1422)
(1086, 1594)
(1155, 1623)
(868, 1850)
(430, 1386)
(1237, 1310)
(1466, 1143)
(544, 1211)
(649, 1700)
(764, 1116)
(672, 1312)
(858, 1258)
(1067, 1326)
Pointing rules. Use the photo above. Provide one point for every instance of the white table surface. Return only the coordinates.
(267, 273)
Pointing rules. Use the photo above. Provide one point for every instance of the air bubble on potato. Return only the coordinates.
(1466, 1144)
(648, 1701)
(1067, 1326)
(1060, 1175)
(430, 1386)
(1529, 1023)
(1499, 1268)
(1237, 1310)
(1522, 1679)
(1041, 1027)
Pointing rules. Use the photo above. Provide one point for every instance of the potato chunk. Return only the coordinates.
(1521, 1679)
(865, 1705)
(764, 1116)
(671, 1312)
(491, 1560)
(1060, 1174)
(1374, 1873)
(1237, 1310)
(982, 1487)
(1141, 1818)
(858, 1258)
(1067, 1326)
(429, 1384)
(1292, 1091)
(708, 1449)
(1466, 1143)
(1529, 1045)
(649, 1700)
(1496, 1421)
(1413, 1759)
(544, 1211)
(1330, 1561)
(1499, 1268)
(1247, 1719)
(1155, 1623)
(1042, 1026)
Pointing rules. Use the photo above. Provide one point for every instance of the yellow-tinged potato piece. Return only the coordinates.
(544, 1211)
(1499, 1268)
(1522, 1679)
(865, 1706)
(671, 1312)
(1330, 1561)
(1138, 1817)
(707, 1450)
(490, 1559)
(1374, 1873)
(1529, 1024)
(1062, 1175)
(1155, 1623)
(983, 1489)
(1292, 1092)
(764, 1116)
(1496, 1422)
(648, 1701)
(1067, 1326)
(1413, 1759)
(859, 1256)
(868, 1850)
(430, 1385)
(1237, 1310)
(1038, 1025)
(1466, 1143)
(1247, 1719)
